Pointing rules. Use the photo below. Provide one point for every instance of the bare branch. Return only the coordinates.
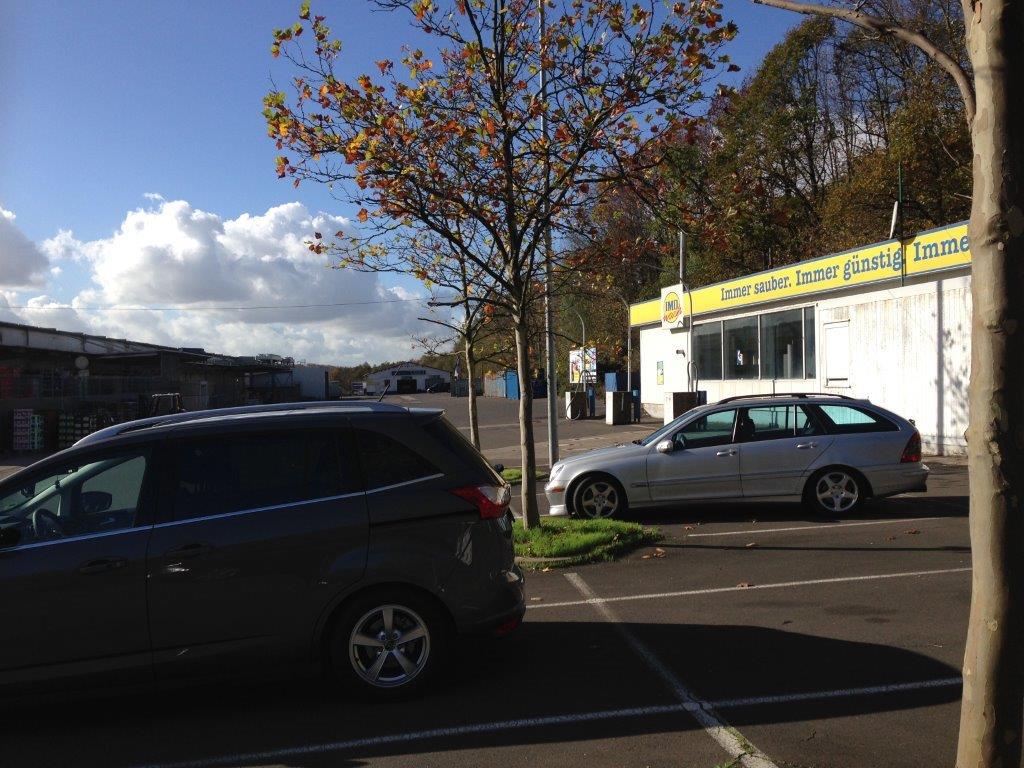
(883, 27)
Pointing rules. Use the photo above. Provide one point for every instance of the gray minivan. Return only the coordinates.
(357, 536)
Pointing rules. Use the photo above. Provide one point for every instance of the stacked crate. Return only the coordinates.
(27, 430)
(72, 428)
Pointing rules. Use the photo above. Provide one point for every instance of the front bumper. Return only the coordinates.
(555, 493)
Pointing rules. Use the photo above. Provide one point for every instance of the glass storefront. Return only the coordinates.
(775, 345)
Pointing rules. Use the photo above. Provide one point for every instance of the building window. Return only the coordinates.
(707, 350)
(782, 345)
(741, 348)
(809, 371)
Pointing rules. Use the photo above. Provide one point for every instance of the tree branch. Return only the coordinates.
(881, 26)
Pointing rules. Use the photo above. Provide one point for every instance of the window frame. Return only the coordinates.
(348, 485)
(369, 425)
(687, 446)
(812, 416)
(880, 423)
(146, 511)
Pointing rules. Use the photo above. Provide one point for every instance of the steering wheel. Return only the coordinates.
(45, 525)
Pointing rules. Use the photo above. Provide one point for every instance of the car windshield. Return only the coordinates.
(666, 430)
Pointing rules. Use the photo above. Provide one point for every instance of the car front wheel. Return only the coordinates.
(597, 498)
(388, 644)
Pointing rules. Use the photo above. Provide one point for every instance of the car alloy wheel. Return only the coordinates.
(837, 491)
(598, 499)
(389, 646)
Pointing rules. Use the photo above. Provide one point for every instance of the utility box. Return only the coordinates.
(678, 403)
(618, 407)
(576, 405)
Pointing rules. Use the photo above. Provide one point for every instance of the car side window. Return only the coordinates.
(850, 419)
(389, 462)
(775, 422)
(713, 429)
(88, 496)
(255, 470)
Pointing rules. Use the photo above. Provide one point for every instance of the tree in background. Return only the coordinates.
(461, 138)
(993, 99)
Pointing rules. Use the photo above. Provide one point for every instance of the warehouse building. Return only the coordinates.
(883, 322)
(405, 378)
(57, 386)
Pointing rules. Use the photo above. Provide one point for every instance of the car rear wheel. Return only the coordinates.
(835, 491)
(598, 498)
(388, 644)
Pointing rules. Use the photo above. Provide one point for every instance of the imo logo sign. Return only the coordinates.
(673, 308)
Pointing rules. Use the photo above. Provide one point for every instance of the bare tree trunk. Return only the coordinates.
(993, 695)
(528, 490)
(474, 426)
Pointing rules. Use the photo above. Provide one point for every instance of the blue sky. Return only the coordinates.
(106, 101)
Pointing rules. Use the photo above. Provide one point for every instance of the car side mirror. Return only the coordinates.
(665, 446)
(9, 537)
(95, 502)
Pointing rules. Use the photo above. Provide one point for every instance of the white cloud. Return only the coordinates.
(175, 255)
(22, 264)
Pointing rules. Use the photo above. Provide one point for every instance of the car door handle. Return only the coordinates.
(195, 549)
(805, 446)
(102, 564)
(728, 452)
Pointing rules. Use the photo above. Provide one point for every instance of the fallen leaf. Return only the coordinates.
(745, 584)
(912, 531)
(645, 557)
(545, 570)
(890, 538)
(687, 527)
(751, 544)
(659, 552)
(536, 599)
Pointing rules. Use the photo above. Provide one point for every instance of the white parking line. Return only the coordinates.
(776, 585)
(551, 720)
(753, 531)
(728, 738)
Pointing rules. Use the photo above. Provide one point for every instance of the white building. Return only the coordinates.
(405, 378)
(865, 323)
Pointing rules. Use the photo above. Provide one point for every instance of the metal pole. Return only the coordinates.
(549, 322)
(629, 352)
(583, 325)
(899, 202)
(682, 258)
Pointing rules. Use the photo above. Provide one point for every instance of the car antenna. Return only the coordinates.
(386, 388)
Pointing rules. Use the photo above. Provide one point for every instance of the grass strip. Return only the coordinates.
(581, 541)
(514, 475)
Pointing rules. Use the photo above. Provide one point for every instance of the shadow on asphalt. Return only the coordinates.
(731, 512)
(546, 668)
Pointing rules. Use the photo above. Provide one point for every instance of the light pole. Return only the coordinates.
(549, 323)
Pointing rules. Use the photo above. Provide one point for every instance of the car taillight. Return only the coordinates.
(490, 500)
(912, 453)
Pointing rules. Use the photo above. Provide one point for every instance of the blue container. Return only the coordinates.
(511, 385)
(615, 381)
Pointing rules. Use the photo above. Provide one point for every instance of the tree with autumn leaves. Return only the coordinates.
(445, 151)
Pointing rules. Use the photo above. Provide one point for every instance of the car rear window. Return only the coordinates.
(850, 419)
(388, 462)
(451, 438)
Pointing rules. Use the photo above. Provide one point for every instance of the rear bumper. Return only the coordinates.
(901, 478)
(507, 604)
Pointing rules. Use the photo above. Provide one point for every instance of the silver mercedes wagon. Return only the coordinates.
(829, 451)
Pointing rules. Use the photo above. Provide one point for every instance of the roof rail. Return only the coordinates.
(784, 394)
(178, 418)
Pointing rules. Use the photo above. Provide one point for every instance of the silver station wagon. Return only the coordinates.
(829, 451)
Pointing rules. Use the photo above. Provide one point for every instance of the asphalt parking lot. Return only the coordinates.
(754, 636)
